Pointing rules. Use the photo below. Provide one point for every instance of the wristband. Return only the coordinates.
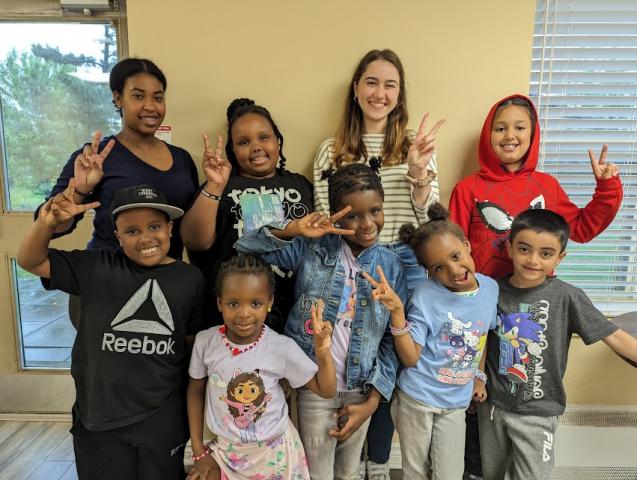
(196, 458)
(421, 182)
(211, 196)
(480, 375)
(400, 331)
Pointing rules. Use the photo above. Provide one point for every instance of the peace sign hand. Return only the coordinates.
(61, 208)
(87, 167)
(317, 224)
(322, 330)
(382, 292)
(422, 148)
(216, 168)
(601, 169)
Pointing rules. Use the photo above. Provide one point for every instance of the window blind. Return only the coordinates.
(584, 84)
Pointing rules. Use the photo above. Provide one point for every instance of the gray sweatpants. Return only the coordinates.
(520, 445)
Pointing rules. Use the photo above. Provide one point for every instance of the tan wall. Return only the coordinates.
(296, 57)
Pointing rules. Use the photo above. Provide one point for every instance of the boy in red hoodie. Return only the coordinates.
(485, 203)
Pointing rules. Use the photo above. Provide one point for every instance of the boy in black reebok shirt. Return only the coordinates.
(139, 308)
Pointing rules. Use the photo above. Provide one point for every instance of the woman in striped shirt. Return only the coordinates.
(374, 130)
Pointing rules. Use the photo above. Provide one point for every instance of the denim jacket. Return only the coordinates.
(372, 360)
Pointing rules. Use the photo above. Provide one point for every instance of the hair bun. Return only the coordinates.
(236, 104)
(406, 233)
(437, 212)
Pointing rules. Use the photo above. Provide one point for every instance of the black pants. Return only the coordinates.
(472, 462)
(379, 434)
(150, 449)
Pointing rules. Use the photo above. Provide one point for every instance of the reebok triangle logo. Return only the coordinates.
(125, 320)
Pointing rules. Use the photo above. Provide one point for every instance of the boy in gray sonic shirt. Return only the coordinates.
(526, 359)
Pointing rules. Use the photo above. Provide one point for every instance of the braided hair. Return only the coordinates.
(245, 265)
(237, 109)
(438, 224)
(354, 177)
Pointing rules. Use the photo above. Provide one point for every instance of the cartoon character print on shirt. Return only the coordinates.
(499, 221)
(247, 400)
(522, 341)
(464, 352)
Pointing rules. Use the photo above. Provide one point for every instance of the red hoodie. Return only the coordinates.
(484, 204)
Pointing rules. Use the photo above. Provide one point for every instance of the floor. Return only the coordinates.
(44, 451)
(36, 451)
(46, 329)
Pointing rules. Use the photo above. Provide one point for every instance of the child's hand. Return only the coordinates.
(601, 169)
(216, 168)
(479, 391)
(351, 417)
(62, 207)
(382, 292)
(202, 467)
(317, 224)
(422, 148)
(322, 330)
(87, 167)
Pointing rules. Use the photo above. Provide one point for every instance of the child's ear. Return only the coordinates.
(509, 248)
(219, 303)
(270, 303)
(561, 257)
(170, 228)
(117, 237)
(467, 244)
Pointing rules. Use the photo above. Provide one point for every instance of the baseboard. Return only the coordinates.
(35, 417)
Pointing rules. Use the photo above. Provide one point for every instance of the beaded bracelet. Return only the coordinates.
(196, 458)
(421, 182)
(480, 375)
(400, 331)
(212, 196)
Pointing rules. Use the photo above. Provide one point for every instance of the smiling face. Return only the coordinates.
(511, 133)
(255, 146)
(366, 218)
(448, 260)
(535, 255)
(142, 103)
(246, 392)
(243, 302)
(144, 235)
(377, 92)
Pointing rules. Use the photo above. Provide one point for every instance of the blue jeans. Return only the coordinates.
(379, 434)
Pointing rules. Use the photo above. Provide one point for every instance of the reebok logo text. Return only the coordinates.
(145, 346)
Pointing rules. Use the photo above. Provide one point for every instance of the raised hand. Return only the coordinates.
(422, 148)
(322, 330)
(382, 291)
(602, 169)
(317, 224)
(87, 168)
(216, 168)
(62, 207)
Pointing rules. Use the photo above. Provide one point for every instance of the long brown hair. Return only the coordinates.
(349, 144)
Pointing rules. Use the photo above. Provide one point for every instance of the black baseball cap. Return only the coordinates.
(142, 196)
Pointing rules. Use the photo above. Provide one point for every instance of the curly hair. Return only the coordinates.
(355, 177)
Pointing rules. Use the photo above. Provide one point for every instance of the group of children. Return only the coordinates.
(352, 334)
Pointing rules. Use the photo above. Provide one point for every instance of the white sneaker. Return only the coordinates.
(361, 470)
(377, 471)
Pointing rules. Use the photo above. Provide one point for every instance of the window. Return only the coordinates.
(584, 83)
(54, 95)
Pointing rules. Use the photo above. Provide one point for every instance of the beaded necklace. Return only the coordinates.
(235, 350)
